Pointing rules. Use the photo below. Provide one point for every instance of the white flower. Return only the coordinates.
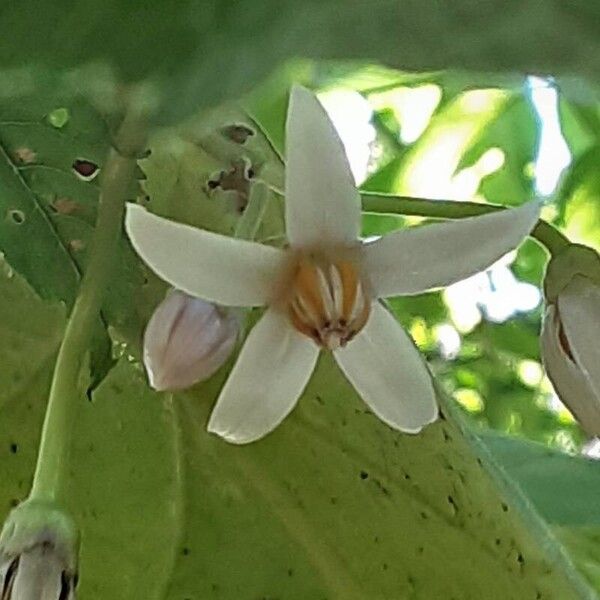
(322, 292)
(570, 333)
(187, 339)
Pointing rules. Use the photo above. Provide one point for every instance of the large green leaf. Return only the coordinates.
(334, 504)
(565, 489)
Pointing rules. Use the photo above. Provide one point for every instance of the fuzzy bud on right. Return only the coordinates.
(570, 345)
(186, 341)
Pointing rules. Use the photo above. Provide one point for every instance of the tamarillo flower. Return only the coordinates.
(322, 292)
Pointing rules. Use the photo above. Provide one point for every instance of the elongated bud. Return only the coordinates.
(570, 333)
(38, 551)
(187, 339)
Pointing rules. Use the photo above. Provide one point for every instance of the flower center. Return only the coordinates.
(328, 302)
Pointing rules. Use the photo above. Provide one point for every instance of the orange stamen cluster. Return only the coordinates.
(328, 301)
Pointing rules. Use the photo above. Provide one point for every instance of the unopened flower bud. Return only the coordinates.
(187, 339)
(570, 333)
(38, 550)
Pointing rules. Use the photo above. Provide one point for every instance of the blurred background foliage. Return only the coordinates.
(443, 135)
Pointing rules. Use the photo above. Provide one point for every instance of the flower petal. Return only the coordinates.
(204, 264)
(271, 372)
(321, 200)
(569, 381)
(415, 260)
(388, 372)
(579, 309)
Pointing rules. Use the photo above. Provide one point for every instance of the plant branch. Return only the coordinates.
(66, 389)
(547, 235)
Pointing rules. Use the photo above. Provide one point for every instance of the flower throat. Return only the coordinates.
(328, 302)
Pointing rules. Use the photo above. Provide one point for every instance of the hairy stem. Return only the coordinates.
(547, 235)
(66, 390)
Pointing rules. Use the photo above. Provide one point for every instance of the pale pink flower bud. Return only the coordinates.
(186, 341)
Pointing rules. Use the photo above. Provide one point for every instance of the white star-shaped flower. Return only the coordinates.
(322, 292)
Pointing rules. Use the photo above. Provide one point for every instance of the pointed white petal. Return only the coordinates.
(271, 372)
(569, 381)
(204, 264)
(419, 259)
(579, 309)
(321, 200)
(388, 372)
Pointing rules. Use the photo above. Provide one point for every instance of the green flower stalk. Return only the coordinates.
(39, 540)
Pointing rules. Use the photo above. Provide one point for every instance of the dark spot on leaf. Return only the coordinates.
(452, 503)
(383, 489)
(236, 179)
(24, 156)
(333, 500)
(14, 448)
(364, 475)
(64, 206)
(14, 502)
(406, 476)
(237, 133)
(504, 507)
(290, 572)
(85, 169)
(424, 515)
(420, 550)
(384, 566)
(251, 173)
(17, 216)
(498, 541)
(76, 245)
(520, 559)
(447, 436)
(185, 551)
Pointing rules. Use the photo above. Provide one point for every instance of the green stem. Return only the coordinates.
(547, 235)
(65, 391)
